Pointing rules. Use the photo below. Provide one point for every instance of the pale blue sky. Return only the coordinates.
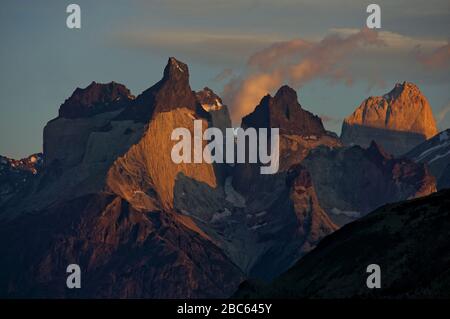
(42, 62)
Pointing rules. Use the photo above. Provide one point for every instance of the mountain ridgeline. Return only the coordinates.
(106, 195)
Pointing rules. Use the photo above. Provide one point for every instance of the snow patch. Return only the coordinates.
(347, 213)
(430, 150)
(212, 107)
(439, 156)
(178, 67)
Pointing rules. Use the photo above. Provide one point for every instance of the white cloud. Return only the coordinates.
(396, 41)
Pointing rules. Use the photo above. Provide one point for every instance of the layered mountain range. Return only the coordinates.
(351, 182)
(408, 240)
(110, 191)
(107, 195)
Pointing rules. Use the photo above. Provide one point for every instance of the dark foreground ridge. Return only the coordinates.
(409, 240)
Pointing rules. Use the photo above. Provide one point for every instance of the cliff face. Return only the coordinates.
(284, 112)
(147, 168)
(212, 103)
(122, 253)
(291, 226)
(299, 132)
(350, 182)
(107, 198)
(111, 199)
(398, 120)
(282, 209)
(171, 92)
(94, 99)
(435, 152)
(106, 195)
(416, 230)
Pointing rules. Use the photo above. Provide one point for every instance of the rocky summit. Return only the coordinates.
(171, 92)
(284, 112)
(94, 99)
(108, 186)
(106, 195)
(398, 120)
(110, 199)
(212, 103)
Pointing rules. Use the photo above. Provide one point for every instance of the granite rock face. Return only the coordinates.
(284, 112)
(171, 92)
(282, 208)
(122, 253)
(398, 120)
(212, 103)
(107, 195)
(111, 199)
(351, 182)
(94, 99)
(106, 198)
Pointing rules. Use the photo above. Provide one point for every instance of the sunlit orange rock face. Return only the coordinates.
(107, 195)
(111, 199)
(109, 180)
(398, 120)
(148, 164)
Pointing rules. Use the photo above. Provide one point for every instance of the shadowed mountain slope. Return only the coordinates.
(409, 240)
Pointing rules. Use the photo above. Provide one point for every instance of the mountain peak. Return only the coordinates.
(407, 88)
(284, 112)
(176, 70)
(95, 98)
(404, 108)
(287, 94)
(171, 92)
(209, 100)
(398, 120)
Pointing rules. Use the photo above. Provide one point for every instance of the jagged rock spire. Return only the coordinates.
(284, 111)
(94, 99)
(171, 92)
